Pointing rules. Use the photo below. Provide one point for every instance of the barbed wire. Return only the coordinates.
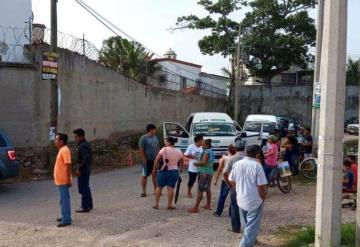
(12, 40)
(74, 44)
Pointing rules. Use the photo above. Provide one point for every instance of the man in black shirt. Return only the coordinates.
(307, 145)
(84, 160)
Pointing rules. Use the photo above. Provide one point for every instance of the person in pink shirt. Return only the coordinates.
(271, 156)
(167, 165)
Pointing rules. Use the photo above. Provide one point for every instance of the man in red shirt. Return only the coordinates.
(354, 168)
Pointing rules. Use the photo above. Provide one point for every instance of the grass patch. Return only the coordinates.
(299, 237)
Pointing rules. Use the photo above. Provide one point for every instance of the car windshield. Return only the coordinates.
(256, 126)
(214, 129)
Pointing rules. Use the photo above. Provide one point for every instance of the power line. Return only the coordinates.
(112, 27)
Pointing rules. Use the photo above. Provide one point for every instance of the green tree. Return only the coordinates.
(126, 57)
(353, 72)
(276, 34)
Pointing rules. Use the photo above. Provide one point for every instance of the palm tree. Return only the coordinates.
(126, 57)
(353, 72)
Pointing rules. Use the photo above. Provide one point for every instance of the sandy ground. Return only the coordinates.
(122, 218)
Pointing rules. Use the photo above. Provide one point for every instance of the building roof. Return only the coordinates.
(213, 75)
(177, 61)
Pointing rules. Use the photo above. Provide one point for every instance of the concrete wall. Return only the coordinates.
(92, 97)
(290, 100)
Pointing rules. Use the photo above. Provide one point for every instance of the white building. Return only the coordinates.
(180, 75)
(15, 23)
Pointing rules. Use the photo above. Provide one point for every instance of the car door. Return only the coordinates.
(238, 128)
(252, 133)
(178, 131)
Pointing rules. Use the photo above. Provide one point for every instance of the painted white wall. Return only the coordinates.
(193, 73)
(14, 29)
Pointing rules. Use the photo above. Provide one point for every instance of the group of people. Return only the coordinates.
(63, 174)
(243, 177)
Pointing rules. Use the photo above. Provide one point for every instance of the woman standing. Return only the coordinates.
(166, 166)
(271, 156)
(291, 153)
(224, 188)
(205, 169)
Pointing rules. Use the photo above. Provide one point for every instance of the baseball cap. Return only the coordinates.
(273, 138)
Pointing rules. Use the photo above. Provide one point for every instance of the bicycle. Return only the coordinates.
(308, 168)
(284, 183)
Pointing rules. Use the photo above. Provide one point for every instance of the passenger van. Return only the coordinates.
(257, 128)
(217, 126)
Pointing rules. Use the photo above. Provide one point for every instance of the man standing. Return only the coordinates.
(149, 149)
(62, 178)
(84, 159)
(193, 153)
(234, 208)
(308, 143)
(249, 179)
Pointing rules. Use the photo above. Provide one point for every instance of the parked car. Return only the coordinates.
(9, 165)
(352, 120)
(352, 129)
(257, 128)
(215, 125)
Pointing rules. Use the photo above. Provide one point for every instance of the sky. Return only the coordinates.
(148, 22)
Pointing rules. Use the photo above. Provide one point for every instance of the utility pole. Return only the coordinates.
(53, 84)
(332, 78)
(316, 86)
(237, 78)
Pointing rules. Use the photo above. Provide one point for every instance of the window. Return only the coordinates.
(198, 83)
(183, 83)
(162, 79)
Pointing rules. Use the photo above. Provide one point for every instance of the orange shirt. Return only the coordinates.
(62, 170)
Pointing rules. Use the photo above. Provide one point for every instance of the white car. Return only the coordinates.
(352, 129)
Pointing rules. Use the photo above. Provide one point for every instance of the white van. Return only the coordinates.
(257, 128)
(219, 127)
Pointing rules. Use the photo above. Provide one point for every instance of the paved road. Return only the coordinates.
(122, 218)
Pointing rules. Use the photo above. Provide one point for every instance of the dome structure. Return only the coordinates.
(170, 54)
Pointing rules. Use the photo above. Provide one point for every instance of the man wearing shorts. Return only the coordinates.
(149, 149)
(193, 153)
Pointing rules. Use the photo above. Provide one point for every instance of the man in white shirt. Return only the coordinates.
(193, 153)
(250, 181)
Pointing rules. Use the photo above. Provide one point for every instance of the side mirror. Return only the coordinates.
(243, 134)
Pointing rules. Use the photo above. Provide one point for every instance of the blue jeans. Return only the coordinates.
(65, 204)
(234, 212)
(251, 222)
(224, 191)
(84, 190)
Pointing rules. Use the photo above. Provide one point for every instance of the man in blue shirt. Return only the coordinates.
(149, 148)
(348, 181)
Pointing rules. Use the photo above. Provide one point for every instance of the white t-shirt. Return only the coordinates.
(192, 149)
(248, 174)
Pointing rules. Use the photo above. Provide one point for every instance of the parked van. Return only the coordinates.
(219, 127)
(257, 128)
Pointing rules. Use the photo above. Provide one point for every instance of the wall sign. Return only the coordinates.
(49, 65)
(317, 96)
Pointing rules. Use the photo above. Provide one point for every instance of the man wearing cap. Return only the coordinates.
(271, 156)
(234, 209)
(249, 179)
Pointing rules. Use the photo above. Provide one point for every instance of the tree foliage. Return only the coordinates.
(353, 72)
(126, 57)
(276, 34)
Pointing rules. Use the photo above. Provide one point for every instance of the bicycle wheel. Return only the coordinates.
(308, 168)
(284, 183)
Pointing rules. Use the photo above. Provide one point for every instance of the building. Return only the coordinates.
(182, 75)
(15, 29)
